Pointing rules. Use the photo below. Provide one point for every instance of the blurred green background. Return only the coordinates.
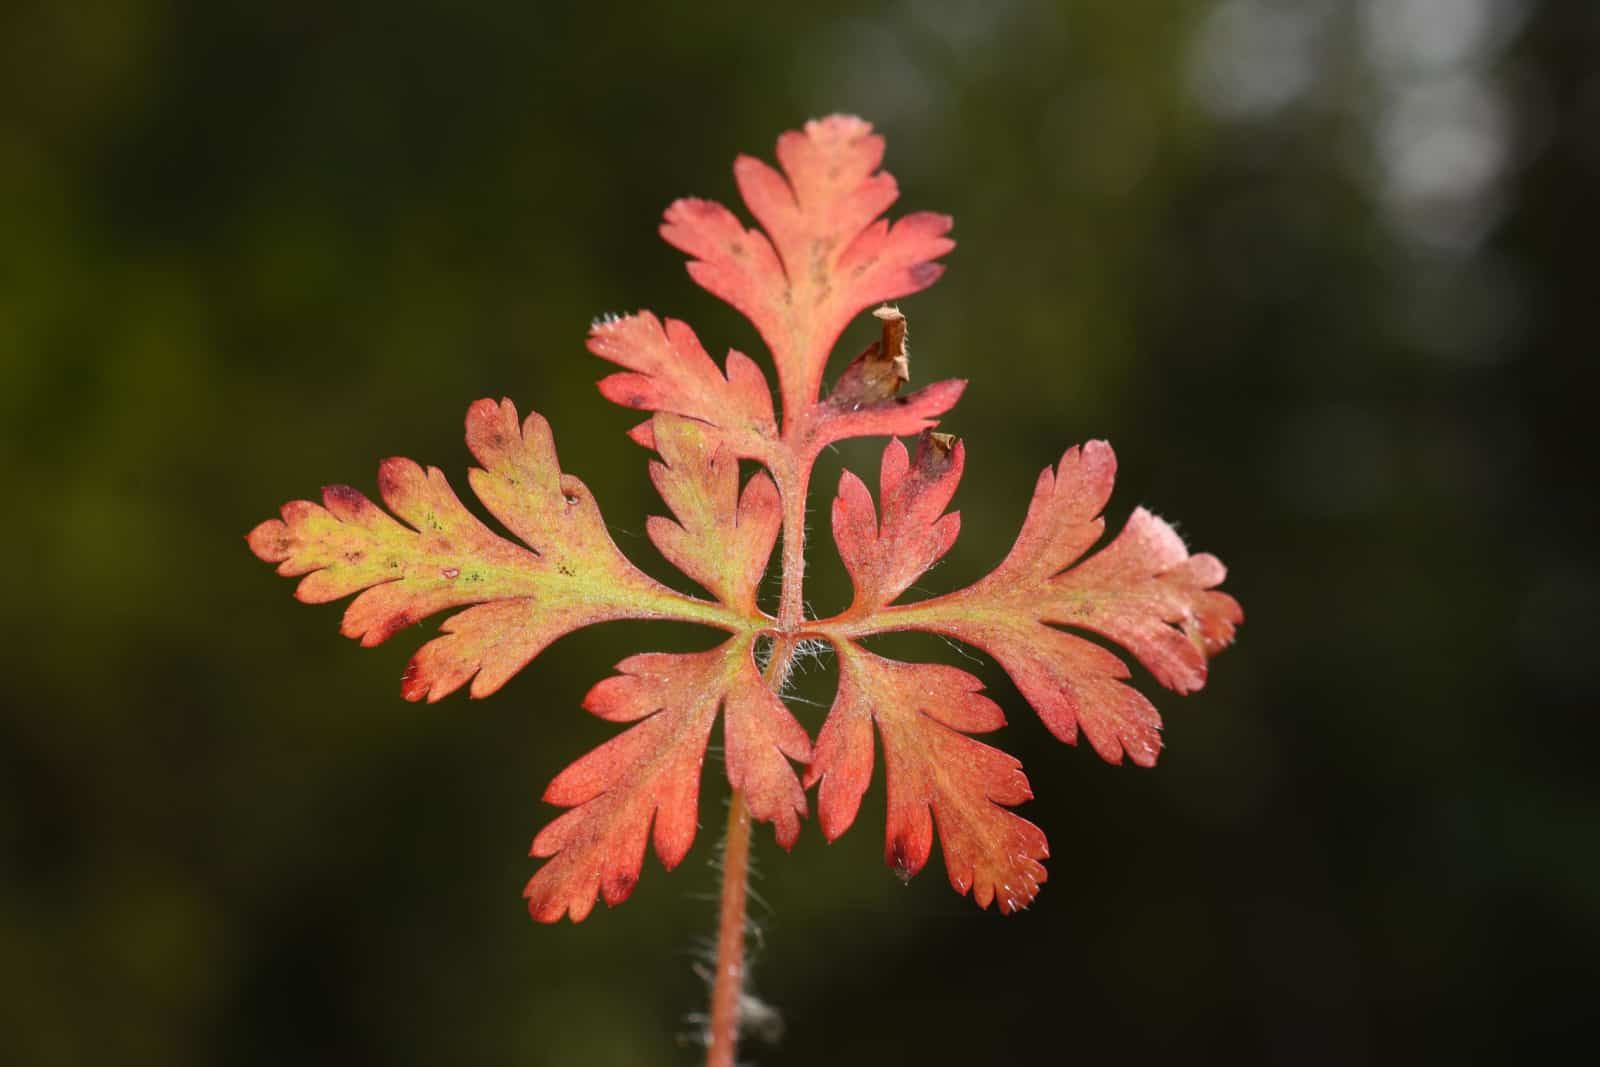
(1321, 271)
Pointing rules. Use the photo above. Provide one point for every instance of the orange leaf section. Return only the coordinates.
(884, 559)
(936, 775)
(668, 370)
(826, 254)
(722, 538)
(840, 417)
(1143, 591)
(567, 573)
(644, 784)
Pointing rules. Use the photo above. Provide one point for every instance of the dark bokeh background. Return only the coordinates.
(1321, 271)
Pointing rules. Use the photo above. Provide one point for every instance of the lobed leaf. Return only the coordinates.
(936, 775)
(644, 784)
(722, 538)
(668, 370)
(434, 555)
(822, 254)
(885, 558)
(1143, 591)
(825, 255)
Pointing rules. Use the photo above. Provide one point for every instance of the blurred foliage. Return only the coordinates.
(1320, 271)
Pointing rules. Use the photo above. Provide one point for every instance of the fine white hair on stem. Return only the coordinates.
(758, 1019)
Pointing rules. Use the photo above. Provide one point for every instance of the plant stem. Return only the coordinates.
(792, 487)
(728, 984)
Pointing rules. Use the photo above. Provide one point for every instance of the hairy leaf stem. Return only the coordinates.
(728, 983)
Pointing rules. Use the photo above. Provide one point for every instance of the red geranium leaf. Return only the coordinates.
(722, 538)
(822, 252)
(651, 773)
(668, 370)
(885, 558)
(936, 775)
(1143, 591)
(568, 575)
(826, 254)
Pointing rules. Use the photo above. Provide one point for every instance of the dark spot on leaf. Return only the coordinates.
(344, 494)
(619, 886)
(564, 570)
(389, 479)
(392, 625)
(355, 555)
